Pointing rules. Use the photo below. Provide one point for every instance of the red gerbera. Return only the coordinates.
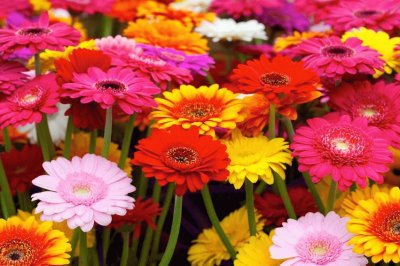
(271, 206)
(182, 156)
(22, 166)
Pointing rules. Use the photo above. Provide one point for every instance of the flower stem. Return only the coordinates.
(92, 143)
(331, 196)
(74, 241)
(37, 64)
(271, 122)
(314, 192)
(126, 143)
(46, 131)
(205, 193)
(210, 79)
(7, 141)
(173, 238)
(68, 139)
(9, 208)
(107, 26)
(107, 133)
(289, 128)
(24, 200)
(83, 250)
(125, 248)
(250, 207)
(106, 243)
(43, 142)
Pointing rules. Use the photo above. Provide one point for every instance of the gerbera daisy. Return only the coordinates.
(182, 156)
(392, 177)
(315, 239)
(230, 30)
(167, 34)
(22, 166)
(284, 42)
(285, 83)
(38, 36)
(333, 59)
(376, 15)
(30, 243)
(208, 249)
(378, 103)
(348, 150)
(245, 8)
(316, 8)
(197, 6)
(117, 46)
(375, 223)
(255, 111)
(12, 76)
(255, 158)
(86, 6)
(256, 252)
(30, 102)
(144, 211)
(204, 107)
(271, 206)
(382, 43)
(83, 191)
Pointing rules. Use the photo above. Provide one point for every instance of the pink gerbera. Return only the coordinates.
(11, 76)
(316, 8)
(378, 103)
(38, 36)
(372, 14)
(86, 6)
(315, 239)
(20, 6)
(242, 8)
(28, 103)
(332, 58)
(83, 191)
(117, 46)
(122, 87)
(348, 150)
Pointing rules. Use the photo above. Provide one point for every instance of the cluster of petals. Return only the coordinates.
(238, 9)
(12, 76)
(85, 6)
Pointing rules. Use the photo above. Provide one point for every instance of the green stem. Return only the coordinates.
(83, 250)
(68, 139)
(4, 207)
(271, 122)
(25, 202)
(9, 208)
(280, 184)
(314, 192)
(250, 207)
(331, 196)
(260, 188)
(37, 64)
(210, 79)
(289, 128)
(7, 141)
(126, 143)
(46, 132)
(92, 143)
(173, 238)
(125, 249)
(74, 241)
(107, 26)
(107, 133)
(205, 193)
(133, 252)
(106, 243)
(42, 141)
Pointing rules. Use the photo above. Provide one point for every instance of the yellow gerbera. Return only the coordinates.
(167, 33)
(282, 43)
(27, 242)
(204, 107)
(382, 43)
(256, 157)
(80, 146)
(256, 252)
(208, 249)
(40, 5)
(376, 225)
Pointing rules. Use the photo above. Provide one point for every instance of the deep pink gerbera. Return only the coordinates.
(86, 6)
(332, 58)
(348, 150)
(316, 8)
(242, 8)
(38, 36)
(11, 76)
(372, 14)
(28, 103)
(122, 87)
(378, 103)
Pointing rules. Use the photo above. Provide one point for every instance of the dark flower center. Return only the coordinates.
(181, 157)
(365, 13)
(340, 51)
(113, 85)
(274, 79)
(15, 255)
(33, 31)
(385, 224)
(16, 252)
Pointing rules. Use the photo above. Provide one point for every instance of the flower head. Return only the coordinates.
(348, 150)
(117, 46)
(27, 242)
(85, 6)
(255, 158)
(12, 76)
(245, 8)
(83, 191)
(315, 239)
(182, 156)
(125, 10)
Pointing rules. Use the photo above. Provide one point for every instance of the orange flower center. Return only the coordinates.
(385, 223)
(274, 79)
(181, 158)
(196, 110)
(16, 252)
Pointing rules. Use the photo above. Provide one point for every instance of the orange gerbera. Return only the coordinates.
(125, 10)
(168, 34)
(285, 42)
(283, 82)
(255, 111)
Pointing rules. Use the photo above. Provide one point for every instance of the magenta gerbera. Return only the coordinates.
(316, 8)
(28, 103)
(122, 87)
(348, 150)
(242, 8)
(38, 36)
(378, 103)
(86, 6)
(315, 239)
(83, 191)
(11, 76)
(332, 58)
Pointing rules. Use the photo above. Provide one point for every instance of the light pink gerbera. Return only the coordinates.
(348, 150)
(122, 87)
(83, 191)
(372, 14)
(28, 103)
(378, 103)
(117, 46)
(332, 58)
(315, 239)
(242, 8)
(316, 8)
(38, 36)
(11, 76)
(86, 6)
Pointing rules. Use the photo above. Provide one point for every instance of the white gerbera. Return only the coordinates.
(196, 6)
(230, 30)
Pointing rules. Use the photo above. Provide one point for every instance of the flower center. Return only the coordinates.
(181, 157)
(16, 252)
(196, 110)
(33, 32)
(365, 13)
(385, 223)
(319, 248)
(376, 111)
(113, 85)
(29, 98)
(337, 51)
(173, 57)
(274, 79)
(343, 145)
